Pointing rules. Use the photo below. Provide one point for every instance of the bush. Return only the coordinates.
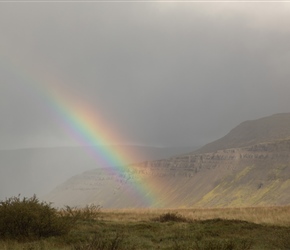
(171, 217)
(28, 218)
(87, 213)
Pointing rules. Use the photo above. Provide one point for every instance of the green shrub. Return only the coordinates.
(28, 218)
(87, 213)
(171, 217)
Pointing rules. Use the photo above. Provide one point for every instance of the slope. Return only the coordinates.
(255, 172)
(248, 133)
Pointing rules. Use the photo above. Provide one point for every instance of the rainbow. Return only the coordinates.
(85, 125)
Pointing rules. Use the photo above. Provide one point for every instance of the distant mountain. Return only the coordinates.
(248, 133)
(250, 166)
(38, 170)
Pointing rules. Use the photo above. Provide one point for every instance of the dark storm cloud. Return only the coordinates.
(164, 74)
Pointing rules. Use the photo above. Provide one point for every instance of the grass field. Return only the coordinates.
(200, 229)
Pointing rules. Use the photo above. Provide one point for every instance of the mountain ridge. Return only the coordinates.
(251, 132)
(256, 172)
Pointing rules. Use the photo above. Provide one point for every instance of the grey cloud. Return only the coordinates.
(175, 74)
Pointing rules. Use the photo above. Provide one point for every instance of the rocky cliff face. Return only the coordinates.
(249, 176)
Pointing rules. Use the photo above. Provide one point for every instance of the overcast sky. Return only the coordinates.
(166, 74)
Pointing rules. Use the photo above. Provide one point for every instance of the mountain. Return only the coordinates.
(38, 170)
(250, 166)
(248, 133)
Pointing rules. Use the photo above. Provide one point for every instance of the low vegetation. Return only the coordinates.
(29, 224)
(28, 218)
(170, 216)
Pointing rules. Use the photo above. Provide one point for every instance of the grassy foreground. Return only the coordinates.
(197, 229)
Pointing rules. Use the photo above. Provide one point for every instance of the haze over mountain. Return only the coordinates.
(250, 166)
(38, 170)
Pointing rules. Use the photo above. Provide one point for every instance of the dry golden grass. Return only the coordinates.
(276, 215)
(136, 229)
